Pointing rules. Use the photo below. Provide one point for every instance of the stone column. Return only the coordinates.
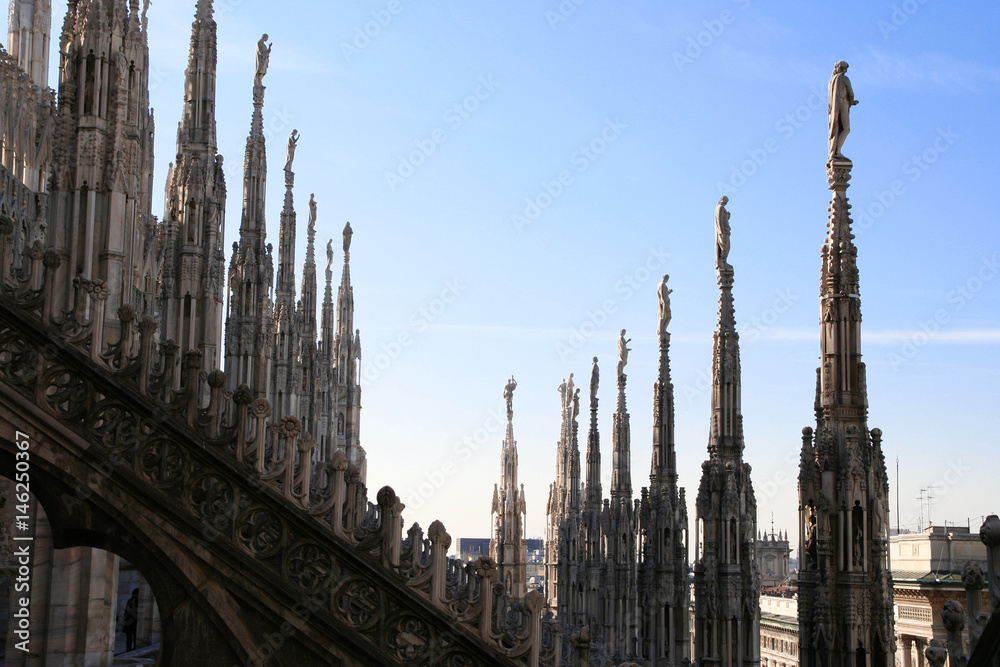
(921, 645)
(907, 644)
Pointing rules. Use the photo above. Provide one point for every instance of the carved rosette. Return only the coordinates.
(260, 532)
(18, 359)
(212, 499)
(408, 638)
(66, 393)
(359, 603)
(458, 660)
(162, 462)
(114, 427)
(309, 566)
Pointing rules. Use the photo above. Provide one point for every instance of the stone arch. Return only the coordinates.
(79, 517)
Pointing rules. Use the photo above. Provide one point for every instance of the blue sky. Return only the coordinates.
(433, 126)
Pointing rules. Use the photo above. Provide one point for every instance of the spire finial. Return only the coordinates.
(722, 231)
(623, 350)
(839, 109)
(293, 140)
(262, 61)
(348, 232)
(595, 379)
(663, 294)
(508, 394)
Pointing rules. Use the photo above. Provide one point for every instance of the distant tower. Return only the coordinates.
(250, 323)
(285, 383)
(621, 528)
(507, 546)
(590, 520)
(726, 581)
(310, 371)
(563, 558)
(664, 593)
(99, 212)
(845, 594)
(193, 266)
(772, 559)
(27, 133)
(346, 389)
(29, 31)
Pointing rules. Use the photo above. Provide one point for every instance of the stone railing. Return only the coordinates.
(121, 397)
(982, 650)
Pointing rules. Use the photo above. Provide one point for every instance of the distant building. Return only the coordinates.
(779, 631)
(927, 572)
(773, 562)
(472, 548)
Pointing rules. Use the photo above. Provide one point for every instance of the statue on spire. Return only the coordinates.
(293, 140)
(595, 378)
(348, 232)
(664, 296)
(263, 57)
(329, 254)
(312, 212)
(508, 394)
(623, 350)
(722, 232)
(839, 108)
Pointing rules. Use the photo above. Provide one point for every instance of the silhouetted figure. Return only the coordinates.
(130, 620)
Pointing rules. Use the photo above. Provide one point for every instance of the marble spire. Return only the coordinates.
(845, 592)
(726, 581)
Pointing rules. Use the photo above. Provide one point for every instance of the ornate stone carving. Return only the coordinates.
(114, 426)
(408, 638)
(309, 566)
(260, 532)
(162, 461)
(212, 498)
(839, 108)
(67, 393)
(359, 603)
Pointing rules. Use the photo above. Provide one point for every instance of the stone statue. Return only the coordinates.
(595, 378)
(839, 108)
(508, 394)
(293, 140)
(263, 56)
(348, 232)
(664, 296)
(329, 254)
(722, 234)
(623, 350)
(312, 212)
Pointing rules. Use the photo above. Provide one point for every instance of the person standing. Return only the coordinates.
(130, 620)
